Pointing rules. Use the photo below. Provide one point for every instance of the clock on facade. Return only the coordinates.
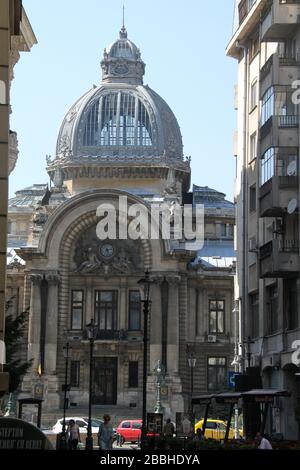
(107, 250)
(119, 69)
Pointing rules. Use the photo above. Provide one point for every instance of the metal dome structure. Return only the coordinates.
(120, 123)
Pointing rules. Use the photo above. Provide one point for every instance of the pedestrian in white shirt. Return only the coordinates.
(263, 443)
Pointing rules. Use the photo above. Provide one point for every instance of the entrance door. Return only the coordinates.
(105, 381)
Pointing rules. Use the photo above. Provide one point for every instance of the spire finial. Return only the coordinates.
(123, 32)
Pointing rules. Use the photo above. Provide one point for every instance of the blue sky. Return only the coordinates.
(183, 45)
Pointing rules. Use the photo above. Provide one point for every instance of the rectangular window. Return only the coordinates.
(267, 107)
(216, 316)
(291, 301)
(106, 304)
(75, 374)
(216, 373)
(272, 309)
(134, 320)
(253, 147)
(76, 309)
(254, 314)
(253, 101)
(223, 230)
(254, 46)
(133, 374)
(252, 198)
(267, 166)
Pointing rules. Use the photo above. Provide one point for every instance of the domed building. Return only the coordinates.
(120, 139)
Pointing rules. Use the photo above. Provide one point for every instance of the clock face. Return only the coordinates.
(120, 69)
(107, 250)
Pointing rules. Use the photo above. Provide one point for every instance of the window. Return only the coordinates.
(267, 166)
(216, 373)
(254, 314)
(253, 101)
(126, 425)
(254, 46)
(272, 309)
(117, 119)
(216, 316)
(223, 230)
(76, 309)
(106, 303)
(230, 230)
(252, 198)
(75, 374)
(278, 101)
(133, 374)
(291, 296)
(134, 310)
(267, 107)
(253, 147)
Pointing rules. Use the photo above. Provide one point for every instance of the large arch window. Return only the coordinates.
(118, 119)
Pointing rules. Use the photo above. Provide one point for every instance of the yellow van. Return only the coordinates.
(215, 429)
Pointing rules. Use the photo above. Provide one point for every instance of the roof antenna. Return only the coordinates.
(123, 32)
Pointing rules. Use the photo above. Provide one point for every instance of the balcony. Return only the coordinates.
(274, 130)
(279, 258)
(277, 70)
(276, 193)
(109, 335)
(277, 23)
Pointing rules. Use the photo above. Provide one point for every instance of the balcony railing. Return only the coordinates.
(109, 335)
(284, 246)
(286, 60)
(288, 121)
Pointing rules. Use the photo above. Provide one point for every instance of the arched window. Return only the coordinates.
(118, 119)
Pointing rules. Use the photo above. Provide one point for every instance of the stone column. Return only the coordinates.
(173, 326)
(123, 317)
(155, 326)
(51, 324)
(35, 320)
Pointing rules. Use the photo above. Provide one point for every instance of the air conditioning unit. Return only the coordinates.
(211, 338)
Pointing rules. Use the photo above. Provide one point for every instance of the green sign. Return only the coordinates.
(17, 434)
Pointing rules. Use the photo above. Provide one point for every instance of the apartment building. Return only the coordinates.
(266, 44)
(16, 35)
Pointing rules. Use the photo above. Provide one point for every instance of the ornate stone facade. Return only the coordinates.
(75, 277)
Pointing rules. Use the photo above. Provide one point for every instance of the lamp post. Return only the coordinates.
(91, 330)
(160, 376)
(62, 437)
(145, 291)
(192, 364)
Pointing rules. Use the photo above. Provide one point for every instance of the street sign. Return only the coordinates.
(231, 379)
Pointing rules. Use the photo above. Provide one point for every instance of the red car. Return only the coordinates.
(129, 430)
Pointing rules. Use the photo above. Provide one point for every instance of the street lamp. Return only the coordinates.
(192, 364)
(145, 291)
(91, 331)
(62, 437)
(160, 377)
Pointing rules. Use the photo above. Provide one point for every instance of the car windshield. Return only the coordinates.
(96, 422)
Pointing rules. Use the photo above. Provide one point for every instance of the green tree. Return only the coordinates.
(14, 332)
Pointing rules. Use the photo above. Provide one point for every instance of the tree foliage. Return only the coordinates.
(14, 332)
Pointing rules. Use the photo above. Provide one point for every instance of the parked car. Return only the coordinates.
(215, 429)
(83, 424)
(129, 430)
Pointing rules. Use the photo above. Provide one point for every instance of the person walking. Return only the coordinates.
(263, 442)
(73, 435)
(199, 437)
(169, 429)
(105, 434)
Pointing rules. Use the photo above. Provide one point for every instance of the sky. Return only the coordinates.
(183, 45)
